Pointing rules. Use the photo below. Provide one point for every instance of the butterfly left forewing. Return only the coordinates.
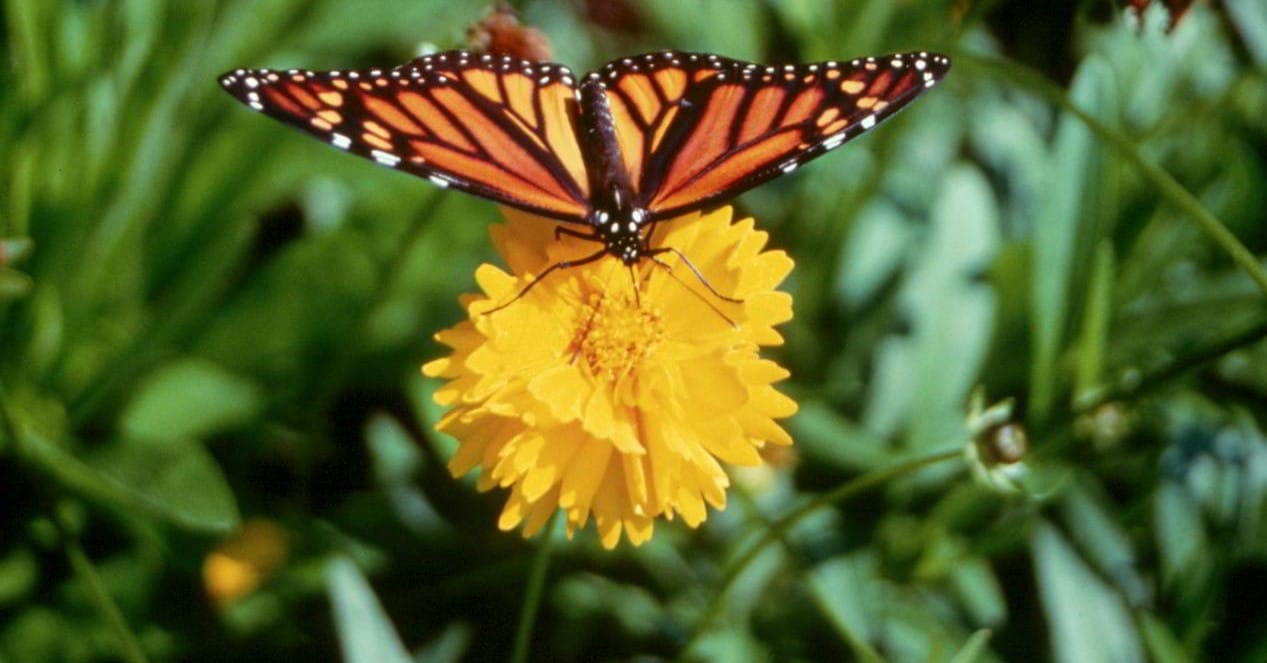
(500, 128)
(695, 128)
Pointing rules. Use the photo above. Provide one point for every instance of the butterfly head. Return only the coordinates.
(620, 231)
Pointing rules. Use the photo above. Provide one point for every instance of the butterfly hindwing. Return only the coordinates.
(497, 127)
(696, 128)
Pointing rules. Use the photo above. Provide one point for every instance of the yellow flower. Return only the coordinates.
(606, 399)
(242, 562)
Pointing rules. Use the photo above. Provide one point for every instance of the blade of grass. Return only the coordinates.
(1166, 185)
(1074, 202)
(366, 635)
(129, 647)
(780, 527)
(532, 595)
(1136, 384)
(1094, 339)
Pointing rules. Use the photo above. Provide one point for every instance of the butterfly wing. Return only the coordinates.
(696, 128)
(498, 127)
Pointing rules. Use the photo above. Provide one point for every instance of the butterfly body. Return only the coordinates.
(642, 140)
(616, 217)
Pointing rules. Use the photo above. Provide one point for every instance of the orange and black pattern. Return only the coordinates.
(695, 128)
(691, 129)
(497, 127)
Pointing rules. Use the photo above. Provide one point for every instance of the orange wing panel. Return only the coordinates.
(711, 136)
(761, 113)
(754, 157)
(434, 119)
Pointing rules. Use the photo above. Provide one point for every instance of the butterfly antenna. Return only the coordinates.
(563, 264)
(669, 268)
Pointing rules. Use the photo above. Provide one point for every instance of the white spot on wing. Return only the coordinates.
(385, 158)
(340, 141)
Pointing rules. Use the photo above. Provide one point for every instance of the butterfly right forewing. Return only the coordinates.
(695, 128)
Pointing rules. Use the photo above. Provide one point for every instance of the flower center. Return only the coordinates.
(615, 334)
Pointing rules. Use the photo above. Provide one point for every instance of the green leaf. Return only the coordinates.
(1163, 646)
(1093, 343)
(824, 435)
(978, 590)
(13, 284)
(733, 645)
(174, 479)
(875, 250)
(19, 572)
(1181, 540)
(365, 633)
(449, 646)
(738, 25)
(190, 398)
(1251, 17)
(397, 462)
(14, 250)
(1105, 544)
(974, 649)
(1075, 203)
(925, 377)
(1088, 622)
(846, 589)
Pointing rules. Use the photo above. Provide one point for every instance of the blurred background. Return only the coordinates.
(214, 433)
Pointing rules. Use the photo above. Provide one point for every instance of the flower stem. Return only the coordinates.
(532, 595)
(1152, 173)
(779, 528)
(129, 647)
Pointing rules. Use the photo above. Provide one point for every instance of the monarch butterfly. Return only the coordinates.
(642, 140)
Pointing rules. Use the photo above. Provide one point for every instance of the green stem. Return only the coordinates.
(129, 647)
(532, 596)
(1152, 173)
(1142, 383)
(780, 527)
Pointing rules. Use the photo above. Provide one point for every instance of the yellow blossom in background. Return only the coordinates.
(242, 562)
(612, 401)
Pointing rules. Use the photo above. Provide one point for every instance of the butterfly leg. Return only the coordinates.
(669, 270)
(650, 232)
(646, 245)
(652, 253)
(560, 231)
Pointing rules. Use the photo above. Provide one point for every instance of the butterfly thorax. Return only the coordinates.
(615, 215)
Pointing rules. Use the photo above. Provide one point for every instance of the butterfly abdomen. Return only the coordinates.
(616, 216)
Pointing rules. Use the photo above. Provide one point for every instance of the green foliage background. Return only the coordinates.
(206, 317)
